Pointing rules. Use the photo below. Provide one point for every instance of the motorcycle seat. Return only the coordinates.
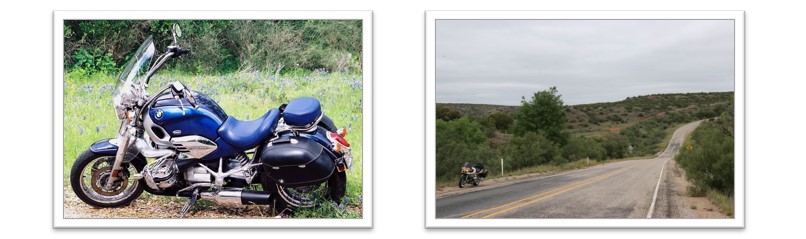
(249, 134)
(302, 111)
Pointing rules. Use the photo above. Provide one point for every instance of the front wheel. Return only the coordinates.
(89, 176)
(462, 181)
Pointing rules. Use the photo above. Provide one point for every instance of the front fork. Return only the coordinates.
(123, 145)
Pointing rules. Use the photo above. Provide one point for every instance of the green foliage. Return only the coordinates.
(708, 158)
(459, 141)
(501, 120)
(462, 131)
(93, 61)
(543, 113)
(579, 147)
(615, 146)
(532, 149)
(447, 113)
(227, 45)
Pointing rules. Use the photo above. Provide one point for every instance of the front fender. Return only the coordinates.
(105, 147)
(110, 147)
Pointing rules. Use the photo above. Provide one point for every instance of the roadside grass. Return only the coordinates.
(89, 115)
(723, 201)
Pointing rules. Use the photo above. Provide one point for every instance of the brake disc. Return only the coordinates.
(101, 176)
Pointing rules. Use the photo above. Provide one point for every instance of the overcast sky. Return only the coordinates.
(498, 61)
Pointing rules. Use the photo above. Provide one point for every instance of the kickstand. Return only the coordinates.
(189, 204)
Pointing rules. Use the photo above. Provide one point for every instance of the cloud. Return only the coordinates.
(499, 61)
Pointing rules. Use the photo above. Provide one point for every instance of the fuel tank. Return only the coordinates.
(177, 118)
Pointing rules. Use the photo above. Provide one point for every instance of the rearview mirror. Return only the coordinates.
(177, 32)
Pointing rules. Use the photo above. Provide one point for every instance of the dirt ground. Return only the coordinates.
(691, 207)
(149, 206)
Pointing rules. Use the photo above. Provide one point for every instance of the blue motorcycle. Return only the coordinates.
(179, 142)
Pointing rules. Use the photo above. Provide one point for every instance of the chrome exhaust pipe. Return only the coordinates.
(237, 197)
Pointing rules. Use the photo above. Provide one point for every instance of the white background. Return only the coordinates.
(775, 44)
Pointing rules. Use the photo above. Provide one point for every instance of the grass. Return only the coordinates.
(89, 115)
(724, 202)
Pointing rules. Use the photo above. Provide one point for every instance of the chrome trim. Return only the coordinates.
(193, 146)
(149, 152)
(163, 168)
(220, 176)
(282, 126)
(197, 175)
(224, 196)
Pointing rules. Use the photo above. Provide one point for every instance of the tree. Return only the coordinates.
(447, 114)
(543, 113)
(502, 120)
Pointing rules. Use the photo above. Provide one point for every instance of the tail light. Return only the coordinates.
(342, 146)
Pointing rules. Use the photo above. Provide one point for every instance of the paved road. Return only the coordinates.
(625, 189)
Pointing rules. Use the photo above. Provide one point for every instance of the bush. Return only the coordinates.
(708, 159)
(224, 45)
(615, 146)
(459, 141)
(580, 148)
(532, 149)
(94, 61)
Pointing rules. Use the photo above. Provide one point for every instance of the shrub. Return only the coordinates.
(708, 159)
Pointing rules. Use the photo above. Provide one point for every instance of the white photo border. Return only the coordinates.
(58, 125)
(430, 123)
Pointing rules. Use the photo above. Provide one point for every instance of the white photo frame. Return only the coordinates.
(367, 105)
(430, 113)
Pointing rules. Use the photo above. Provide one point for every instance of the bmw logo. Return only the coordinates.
(158, 114)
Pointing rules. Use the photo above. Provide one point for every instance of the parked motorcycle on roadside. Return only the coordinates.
(294, 152)
(472, 174)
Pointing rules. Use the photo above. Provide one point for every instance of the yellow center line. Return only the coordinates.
(552, 192)
(530, 197)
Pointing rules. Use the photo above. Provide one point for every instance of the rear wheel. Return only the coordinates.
(89, 176)
(286, 199)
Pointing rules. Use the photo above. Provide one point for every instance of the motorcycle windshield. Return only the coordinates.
(135, 68)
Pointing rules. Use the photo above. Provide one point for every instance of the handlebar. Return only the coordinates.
(178, 51)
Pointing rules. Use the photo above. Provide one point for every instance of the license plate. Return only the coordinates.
(348, 159)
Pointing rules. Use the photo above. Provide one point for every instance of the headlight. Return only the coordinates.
(120, 111)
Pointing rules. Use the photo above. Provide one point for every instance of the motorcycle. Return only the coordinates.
(294, 152)
(472, 174)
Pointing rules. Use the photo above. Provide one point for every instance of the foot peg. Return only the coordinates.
(189, 204)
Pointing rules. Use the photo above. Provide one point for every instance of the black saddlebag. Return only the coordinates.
(296, 161)
(482, 170)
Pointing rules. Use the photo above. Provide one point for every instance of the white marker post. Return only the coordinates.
(502, 167)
